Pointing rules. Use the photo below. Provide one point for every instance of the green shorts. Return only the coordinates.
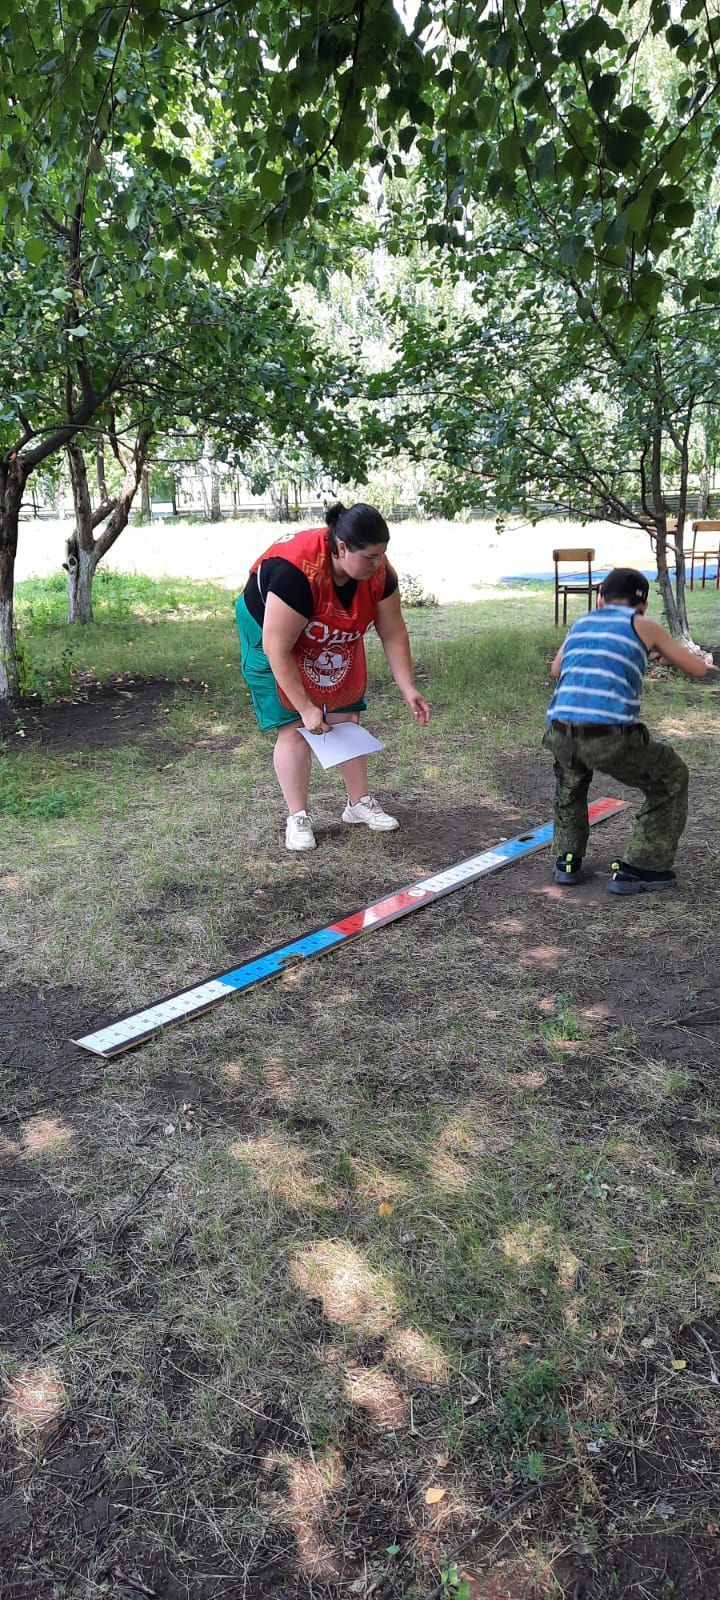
(257, 672)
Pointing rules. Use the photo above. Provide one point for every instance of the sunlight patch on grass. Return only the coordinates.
(546, 956)
(448, 1173)
(312, 1483)
(419, 1354)
(568, 1266)
(34, 1400)
(375, 1392)
(522, 1246)
(534, 1078)
(234, 1071)
(44, 1136)
(353, 1294)
(279, 1084)
(284, 1170)
(462, 1142)
(513, 925)
(375, 1183)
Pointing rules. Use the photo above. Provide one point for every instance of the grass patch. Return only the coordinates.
(436, 1213)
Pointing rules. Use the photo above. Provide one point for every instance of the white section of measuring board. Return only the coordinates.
(140, 1025)
(154, 1017)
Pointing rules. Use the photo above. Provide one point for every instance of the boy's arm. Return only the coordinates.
(555, 668)
(677, 655)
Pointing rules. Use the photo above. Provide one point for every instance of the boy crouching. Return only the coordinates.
(593, 727)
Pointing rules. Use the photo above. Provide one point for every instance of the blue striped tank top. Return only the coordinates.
(602, 669)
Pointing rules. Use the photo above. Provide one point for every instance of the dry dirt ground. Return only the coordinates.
(92, 1504)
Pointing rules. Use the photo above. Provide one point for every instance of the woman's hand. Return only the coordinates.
(419, 707)
(314, 721)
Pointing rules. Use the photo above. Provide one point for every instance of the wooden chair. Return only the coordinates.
(588, 586)
(704, 555)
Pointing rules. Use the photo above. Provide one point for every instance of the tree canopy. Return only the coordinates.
(152, 153)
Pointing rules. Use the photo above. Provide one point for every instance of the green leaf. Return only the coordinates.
(545, 164)
(510, 153)
(680, 214)
(158, 157)
(34, 251)
(572, 249)
(635, 118)
(584, 39)
(622, 148)
(616, 231)
(676, 35)
(602, 91)
(486, 108)
(499, 53)
(300, 203)
(530, 92)
(647, 289)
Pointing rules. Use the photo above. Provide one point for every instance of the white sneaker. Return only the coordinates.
(369, 811)
(299, 832)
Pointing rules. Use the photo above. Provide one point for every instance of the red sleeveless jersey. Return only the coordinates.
(330, 653)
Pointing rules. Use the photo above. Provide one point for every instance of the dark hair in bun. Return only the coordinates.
(358, 527)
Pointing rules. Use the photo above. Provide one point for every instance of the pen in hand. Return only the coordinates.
(324, 712)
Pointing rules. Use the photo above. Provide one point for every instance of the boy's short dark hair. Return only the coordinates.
(625, 583)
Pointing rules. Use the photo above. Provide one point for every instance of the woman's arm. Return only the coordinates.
(390, 626)
(281, 630)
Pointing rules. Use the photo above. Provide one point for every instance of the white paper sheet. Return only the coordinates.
(344, 741)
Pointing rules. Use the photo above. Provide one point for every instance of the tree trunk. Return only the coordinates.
(280, 497)
(83, 551)
(101, 479)
(680, 593)
(145, 506)
(215, 511)
(703, 499)
(81, 566)
(660, 519)
(80, 547)
(12, 484)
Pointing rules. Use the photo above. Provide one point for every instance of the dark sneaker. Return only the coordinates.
(568, 869)
(627, 879)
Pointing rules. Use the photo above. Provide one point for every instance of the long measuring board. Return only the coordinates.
(141, 1025)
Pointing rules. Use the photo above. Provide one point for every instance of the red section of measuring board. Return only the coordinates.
(135, 1028)
(382, 911)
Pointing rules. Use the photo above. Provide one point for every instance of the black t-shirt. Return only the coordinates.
(280, 577)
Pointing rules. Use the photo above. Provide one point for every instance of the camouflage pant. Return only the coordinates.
(631, 756)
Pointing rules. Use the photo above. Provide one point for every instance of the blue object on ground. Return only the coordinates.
(602, 572)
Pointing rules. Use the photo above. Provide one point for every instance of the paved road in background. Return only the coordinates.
(453, 560)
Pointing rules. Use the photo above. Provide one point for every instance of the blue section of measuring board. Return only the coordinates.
(522, 847)
(265, 966)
